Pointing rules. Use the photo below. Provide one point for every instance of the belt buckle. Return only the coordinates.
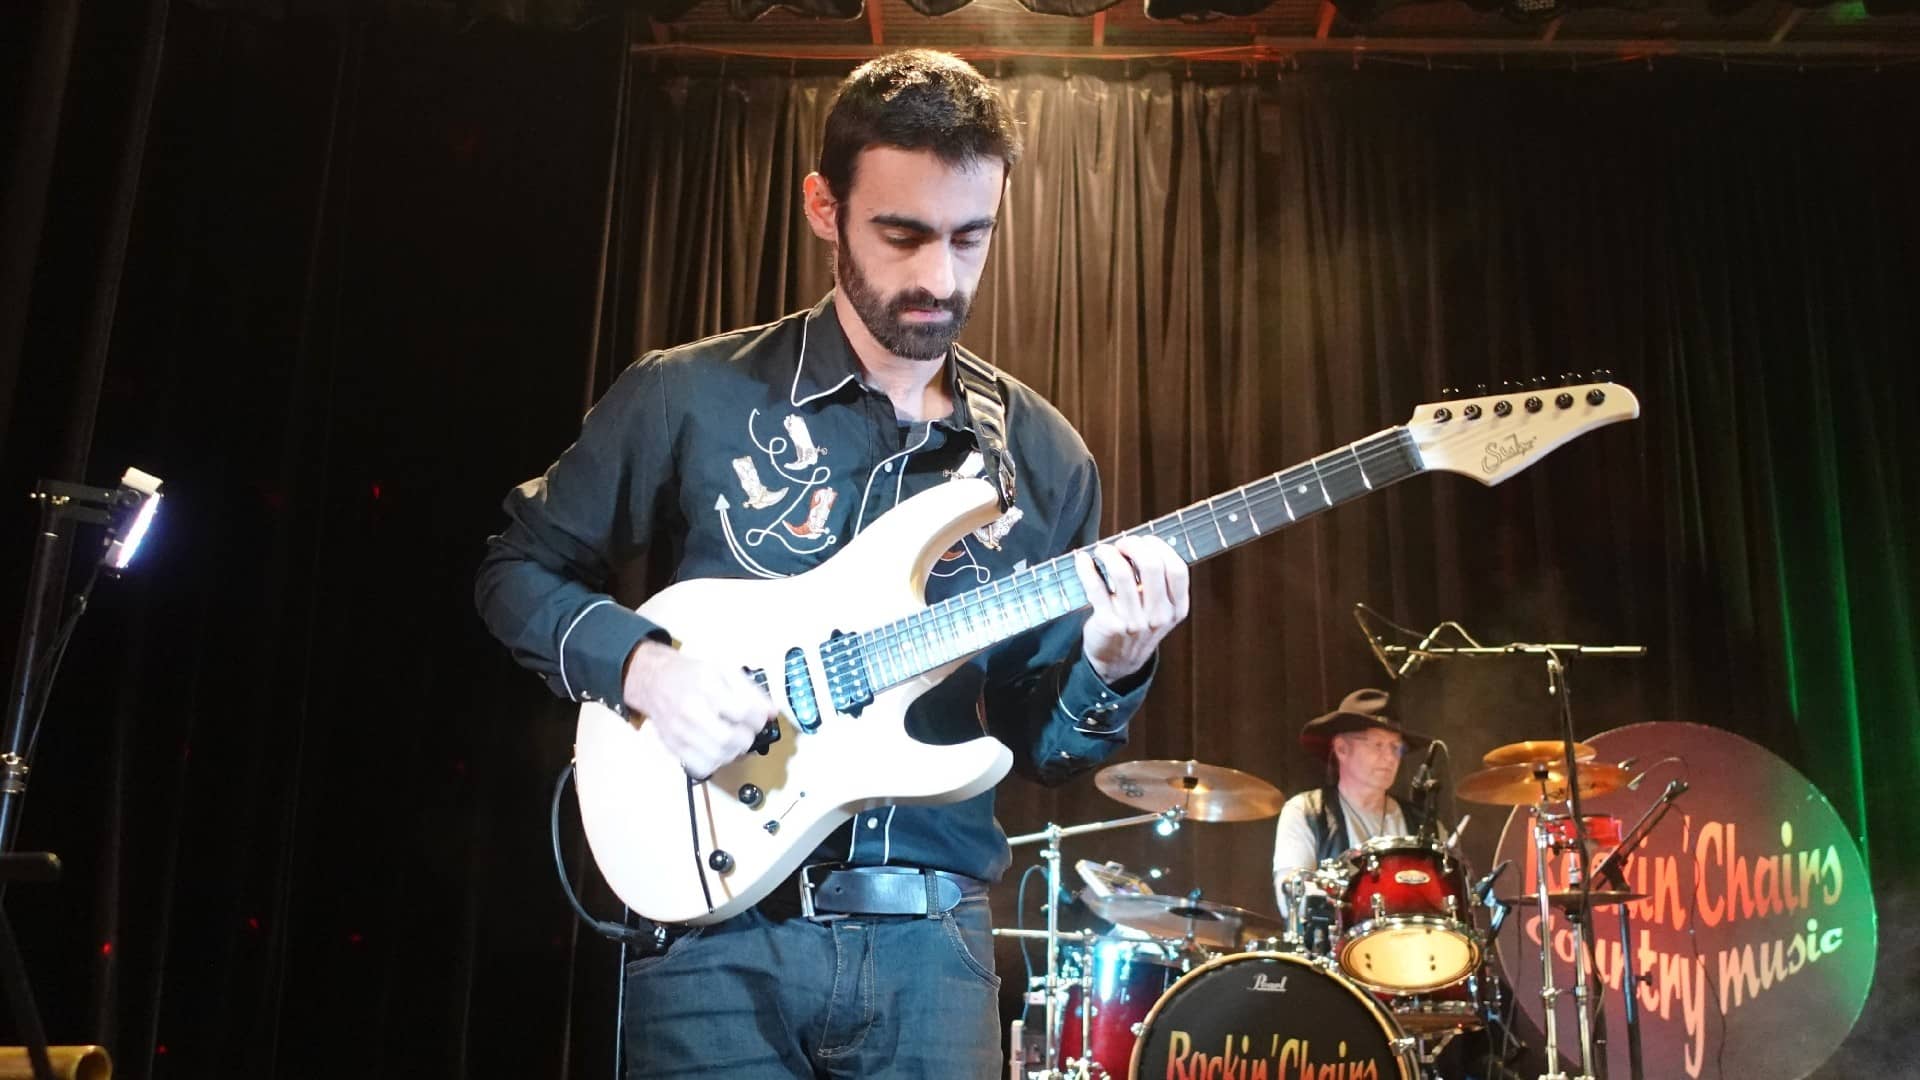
(807, 887)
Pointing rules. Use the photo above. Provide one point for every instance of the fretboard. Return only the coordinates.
(962, 625)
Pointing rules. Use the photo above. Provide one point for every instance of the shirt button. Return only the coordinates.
(873, 823)
(888, 467)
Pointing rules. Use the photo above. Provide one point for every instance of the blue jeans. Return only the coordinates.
(764, 998)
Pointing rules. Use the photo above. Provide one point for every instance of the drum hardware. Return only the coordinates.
(1564, 778)
(1174, 791)
(1054, 990)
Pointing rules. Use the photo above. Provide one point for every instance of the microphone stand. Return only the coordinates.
(1613, 869)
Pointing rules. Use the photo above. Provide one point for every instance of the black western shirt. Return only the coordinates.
(760, 453)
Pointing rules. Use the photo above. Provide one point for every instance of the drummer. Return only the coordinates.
(1362, 745)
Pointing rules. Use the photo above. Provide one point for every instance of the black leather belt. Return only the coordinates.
(883, 890)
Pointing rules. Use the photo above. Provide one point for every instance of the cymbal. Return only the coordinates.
(1208, 792)
(1516, 785)
(1571, 899)
(1547, 750)
(1207, 922)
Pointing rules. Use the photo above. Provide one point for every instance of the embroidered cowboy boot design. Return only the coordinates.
(758, 497)
(817, 510)
(802, 443)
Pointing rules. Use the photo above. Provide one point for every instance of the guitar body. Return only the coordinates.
(655, 834)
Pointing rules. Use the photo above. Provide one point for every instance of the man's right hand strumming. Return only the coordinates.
(706, 714)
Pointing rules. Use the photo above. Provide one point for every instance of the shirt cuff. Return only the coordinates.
(1097, 709)
(594, 650)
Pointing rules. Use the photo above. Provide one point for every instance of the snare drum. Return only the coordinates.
(1112, 985)
(1271, 1014)
(1405, 918)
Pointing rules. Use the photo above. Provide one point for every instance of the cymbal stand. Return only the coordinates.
(1549, 995)
(1051, 837)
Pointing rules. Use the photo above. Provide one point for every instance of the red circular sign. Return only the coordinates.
(1758, 919)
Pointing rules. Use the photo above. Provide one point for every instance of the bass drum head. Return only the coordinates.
(1273, 1014)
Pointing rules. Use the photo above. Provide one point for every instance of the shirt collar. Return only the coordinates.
(826, 364)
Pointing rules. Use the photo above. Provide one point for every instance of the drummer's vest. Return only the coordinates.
(1329, 826)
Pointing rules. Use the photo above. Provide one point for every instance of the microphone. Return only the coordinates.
(1423, 781)
(1453, 842)
(1483, 888)
(1415, 658)
(1483, 895)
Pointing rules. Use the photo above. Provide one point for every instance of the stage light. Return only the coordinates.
(1073, 9)
(137, 502)
(1201, 9)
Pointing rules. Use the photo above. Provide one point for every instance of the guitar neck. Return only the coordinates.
(959, 626)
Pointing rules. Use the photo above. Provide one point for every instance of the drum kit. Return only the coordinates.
(1384, 956)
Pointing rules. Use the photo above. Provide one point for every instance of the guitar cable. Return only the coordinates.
(652, 938)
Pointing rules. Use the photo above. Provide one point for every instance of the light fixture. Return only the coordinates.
(135, 504)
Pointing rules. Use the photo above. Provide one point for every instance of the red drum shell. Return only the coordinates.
(1406, 917)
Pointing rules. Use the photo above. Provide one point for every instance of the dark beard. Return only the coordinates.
(882, 314)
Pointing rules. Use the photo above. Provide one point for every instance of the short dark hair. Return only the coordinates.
(918, 99)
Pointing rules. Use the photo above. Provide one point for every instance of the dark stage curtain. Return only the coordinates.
(302, 797)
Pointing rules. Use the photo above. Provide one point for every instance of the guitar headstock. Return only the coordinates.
(1493, 436)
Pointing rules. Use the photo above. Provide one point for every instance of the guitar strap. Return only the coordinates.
(979, 385)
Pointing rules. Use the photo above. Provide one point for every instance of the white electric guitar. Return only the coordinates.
(852, 643)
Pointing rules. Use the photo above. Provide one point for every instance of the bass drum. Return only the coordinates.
(1277, 1014)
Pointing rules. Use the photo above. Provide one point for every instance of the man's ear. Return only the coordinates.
(821, 208)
